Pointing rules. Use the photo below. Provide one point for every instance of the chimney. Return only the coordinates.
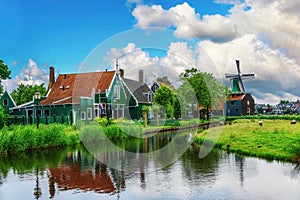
(122, 73)
(51, 78)
(141, 75)
(165, 80)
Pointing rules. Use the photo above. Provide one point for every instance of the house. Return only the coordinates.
(139, 95)
(161, 81)
(7, 101)
(76, 96)
(240, 104)
(85, 96)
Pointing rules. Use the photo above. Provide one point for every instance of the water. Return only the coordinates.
(73, 173)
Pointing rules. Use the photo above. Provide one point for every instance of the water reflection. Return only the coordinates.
(73, 173)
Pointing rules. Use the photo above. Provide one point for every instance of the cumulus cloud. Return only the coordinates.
(30, 75)
(276, 22)
(186, 21)
(263, 35)
(179, 56)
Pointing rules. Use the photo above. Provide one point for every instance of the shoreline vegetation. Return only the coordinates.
(276, 139)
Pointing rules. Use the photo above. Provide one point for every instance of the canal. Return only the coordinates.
(73, 173)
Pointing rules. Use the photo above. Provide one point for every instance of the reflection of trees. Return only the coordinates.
(204, 170)
(28, 162)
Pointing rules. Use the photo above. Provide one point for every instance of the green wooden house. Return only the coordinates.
(84, 96)
(7, 101)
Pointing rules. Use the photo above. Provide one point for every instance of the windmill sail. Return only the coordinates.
(237, 85)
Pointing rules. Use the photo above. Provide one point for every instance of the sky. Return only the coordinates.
(77, 36)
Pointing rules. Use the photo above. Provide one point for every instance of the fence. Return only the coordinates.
(22, 120)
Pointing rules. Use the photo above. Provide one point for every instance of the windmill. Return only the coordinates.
(236, 82)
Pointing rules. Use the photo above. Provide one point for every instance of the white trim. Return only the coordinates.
(117, 92)
(111, 83)
(55, 102)
(11, 98)
(82, 117)
(87, 113)
(23, 105)
(137, 103)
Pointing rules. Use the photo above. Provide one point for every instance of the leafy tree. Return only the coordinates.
(160, 79)
(4, 74)
(3, 117)
(24, 93)
(164, 96)
(206, 87)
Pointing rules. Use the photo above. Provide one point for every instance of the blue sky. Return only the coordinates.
(37, 34)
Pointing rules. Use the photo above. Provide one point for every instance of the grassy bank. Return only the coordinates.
(21, 138)
(276, 139)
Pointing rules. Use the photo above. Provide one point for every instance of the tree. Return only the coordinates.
(24, 93)
(4, 74)
(206, 87)
(3, 117)
(164, 96)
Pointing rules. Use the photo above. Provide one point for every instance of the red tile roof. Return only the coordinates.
(68, 88)
(235, 97)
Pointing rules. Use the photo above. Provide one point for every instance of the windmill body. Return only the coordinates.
(239, 102)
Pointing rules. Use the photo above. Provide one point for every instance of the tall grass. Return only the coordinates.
(22, 138)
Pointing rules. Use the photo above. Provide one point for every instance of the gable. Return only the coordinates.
(7, 101)
(139, 89)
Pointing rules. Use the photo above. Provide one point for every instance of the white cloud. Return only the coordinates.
(186, 21)
(276, 22)
(263, 35)
(30, 75)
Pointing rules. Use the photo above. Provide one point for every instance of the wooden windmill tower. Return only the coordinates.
(236, 82)
(239, 102)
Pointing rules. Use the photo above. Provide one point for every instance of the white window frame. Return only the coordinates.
(117, 92)
(149, 97)
(89, 113)
(5, 104)
(248, 102)
(83, 115)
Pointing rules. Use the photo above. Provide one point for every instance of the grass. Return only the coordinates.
(276, 139)
(21, 138)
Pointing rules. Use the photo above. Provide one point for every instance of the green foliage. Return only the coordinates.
(164, 96)
(24, 93)
(22, 138)
(3, 117)
(4, 74)
(205, 86)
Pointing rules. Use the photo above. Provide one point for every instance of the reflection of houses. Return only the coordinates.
(239, 102)
(85, 96)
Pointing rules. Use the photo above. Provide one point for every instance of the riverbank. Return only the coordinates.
(23, 138)
(275, 139)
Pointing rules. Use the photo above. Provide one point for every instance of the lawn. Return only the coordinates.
(276, 139)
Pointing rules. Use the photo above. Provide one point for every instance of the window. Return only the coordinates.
(5, 102)
(149, 97)
(232, 103)
(82, 115)
(38, 113)
(89, 114)
(248, 110)
(117, 92)
(47, 112)
(248, 102)
(29, 113)
(96, 112)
